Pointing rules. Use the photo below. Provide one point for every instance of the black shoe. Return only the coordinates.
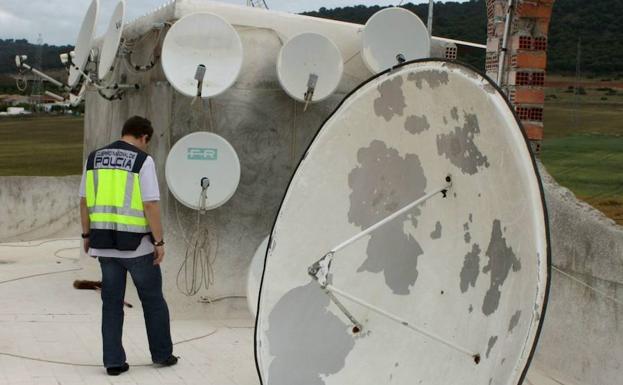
(172, 360)
(117, 370)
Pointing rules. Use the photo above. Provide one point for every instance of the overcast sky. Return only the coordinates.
(58, 21)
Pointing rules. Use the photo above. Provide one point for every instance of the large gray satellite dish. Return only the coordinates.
(254, 277)
(412, 244)
(392, 36)
(111, 41)
(310, 67)
(202, 161)
(84, 43)
(205, 44)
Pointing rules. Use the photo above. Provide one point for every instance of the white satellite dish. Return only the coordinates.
(198, 156)
(310, 67)
(254, 277)
(111, 41)
(202, 39)
(84, 43)
(391, 36)
(398, 255)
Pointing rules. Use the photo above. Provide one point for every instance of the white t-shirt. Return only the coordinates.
(149, 192)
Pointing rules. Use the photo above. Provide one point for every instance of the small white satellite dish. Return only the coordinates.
(84, 43)
(391, 36)
(202, 39)
(194, 158)
(310, 67)
(254, 277)
(398, 252)
(111, 41)
(20, 60)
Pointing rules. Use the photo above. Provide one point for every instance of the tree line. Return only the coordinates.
(592, 25)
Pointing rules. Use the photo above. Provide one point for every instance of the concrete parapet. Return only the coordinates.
(34, 207)
(581, 341)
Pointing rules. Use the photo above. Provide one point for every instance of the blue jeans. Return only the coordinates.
(148, 281)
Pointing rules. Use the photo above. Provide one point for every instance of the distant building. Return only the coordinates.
(15, 111)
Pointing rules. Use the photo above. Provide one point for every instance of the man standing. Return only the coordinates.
(120, 215)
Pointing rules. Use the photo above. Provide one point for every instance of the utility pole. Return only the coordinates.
(576, 91)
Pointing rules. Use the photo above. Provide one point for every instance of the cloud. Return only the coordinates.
(58, 21)
(11, 22)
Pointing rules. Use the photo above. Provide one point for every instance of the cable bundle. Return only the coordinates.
(197, 269)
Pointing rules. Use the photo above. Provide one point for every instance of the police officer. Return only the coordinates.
(120, 215)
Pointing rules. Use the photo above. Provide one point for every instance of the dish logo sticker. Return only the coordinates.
(202, 153)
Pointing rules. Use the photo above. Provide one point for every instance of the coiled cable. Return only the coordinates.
(197, 269)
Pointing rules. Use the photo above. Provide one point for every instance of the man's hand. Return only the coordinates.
(158, 255)
(86, 243)
(152, 213)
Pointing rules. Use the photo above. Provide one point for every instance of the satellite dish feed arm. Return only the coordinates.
(312, 81)
(113, 86)
(200, 74)
(441, 190)
(320, 270)
(20, 62)
(55, 96)
(203, 197)
(332, 290)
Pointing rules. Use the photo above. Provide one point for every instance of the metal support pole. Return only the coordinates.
(460, 42)
(46, 77)
(507, 29)
(400, 321)
(390, 218)
(55, 96)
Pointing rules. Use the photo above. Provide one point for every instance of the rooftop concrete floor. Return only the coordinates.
(50, 332)
(44, 318)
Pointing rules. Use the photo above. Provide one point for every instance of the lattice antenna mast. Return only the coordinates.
(257, 4)
(37, 85)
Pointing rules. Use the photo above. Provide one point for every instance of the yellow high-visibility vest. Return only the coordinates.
(113, 195)
(114, 201)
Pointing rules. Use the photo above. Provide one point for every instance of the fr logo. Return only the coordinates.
(202, 153)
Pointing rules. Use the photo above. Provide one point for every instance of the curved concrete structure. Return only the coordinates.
(38, 207)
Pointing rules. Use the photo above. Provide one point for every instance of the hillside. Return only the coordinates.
(595, 22)
(10, 48)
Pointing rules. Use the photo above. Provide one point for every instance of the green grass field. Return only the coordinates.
(582, 149)
(583, 146)
(41, 145)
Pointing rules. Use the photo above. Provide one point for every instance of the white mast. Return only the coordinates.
(430, 17)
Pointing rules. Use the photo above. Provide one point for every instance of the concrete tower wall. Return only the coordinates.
(267, 128)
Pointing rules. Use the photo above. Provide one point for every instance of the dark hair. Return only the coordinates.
(137, 126)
